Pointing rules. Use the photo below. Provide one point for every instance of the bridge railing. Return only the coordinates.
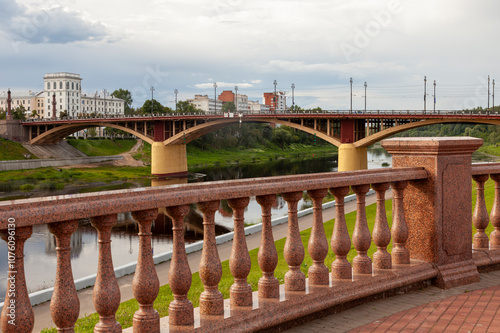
(425, 247)
(426, 113)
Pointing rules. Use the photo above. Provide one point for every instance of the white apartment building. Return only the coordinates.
(67, 90)
(202, 102)
(256, 107)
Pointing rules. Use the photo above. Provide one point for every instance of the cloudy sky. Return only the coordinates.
(318, 45)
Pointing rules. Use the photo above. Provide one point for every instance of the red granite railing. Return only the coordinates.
(428, 240)
(486, 250)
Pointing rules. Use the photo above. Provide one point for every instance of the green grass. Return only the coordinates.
(197, 157)
(490, 149)
(102, 147)
(10, 151)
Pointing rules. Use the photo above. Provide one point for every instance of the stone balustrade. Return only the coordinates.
(430, 233)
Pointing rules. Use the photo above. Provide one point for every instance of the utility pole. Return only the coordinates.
(425, 93)
(175, 92)
(215, 97)
(275, 83)
(293, 96)
(152, 90)
(236, 98)
(351, 93)
(434, 96)
(365, 95)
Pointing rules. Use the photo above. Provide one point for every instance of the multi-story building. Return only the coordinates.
(204, 103)
(256, 107)
(67, 90)
(276, 102)
(241, 104)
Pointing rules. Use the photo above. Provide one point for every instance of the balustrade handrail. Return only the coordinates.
(485, 169)
(77, 206)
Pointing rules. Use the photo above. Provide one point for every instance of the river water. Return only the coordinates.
(40, 253)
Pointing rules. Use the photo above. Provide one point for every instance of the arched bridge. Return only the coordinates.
(351, 131)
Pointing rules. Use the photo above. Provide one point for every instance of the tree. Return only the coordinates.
(92, 132)
(3, 114)
(63, 114)
(127, 97)
(34, 114)
(282, 137)
(185, 106)
(157, 107)
(228, 107)
(19, 113)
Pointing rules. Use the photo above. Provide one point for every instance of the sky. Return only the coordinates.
(317, 45)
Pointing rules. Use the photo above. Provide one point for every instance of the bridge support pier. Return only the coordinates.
(352, 158)
(168, 161)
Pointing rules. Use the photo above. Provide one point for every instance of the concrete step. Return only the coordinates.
(62, 149)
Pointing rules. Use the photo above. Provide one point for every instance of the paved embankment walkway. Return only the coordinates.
(42, 311)
(471, 308)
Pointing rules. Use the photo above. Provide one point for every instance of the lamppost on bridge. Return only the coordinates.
(104, 91)
(493, 95)
(152, 90)
(488, 93)
(275, 83)
(215, 97)
(351, 94)
(425, 93)
(236, 98)
(365, 95)
(434, 96)
(175, 92)
(293, 96)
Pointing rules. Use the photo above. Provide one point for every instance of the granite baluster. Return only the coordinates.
(295, 279)
(64, 304)
(381, 231)
(146, 284)
(20, 319)
(180, 310)
(340, 242)
(239, 261)
(480, 217)
(106, 295)
(399, 231)
(361, 238)
(211, 299)
(495, 214)
(268, 256)
(318, 244)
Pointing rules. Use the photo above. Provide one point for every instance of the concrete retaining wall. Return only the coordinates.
(56, 162)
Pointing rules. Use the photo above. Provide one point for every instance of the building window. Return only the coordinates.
(60, 84)
(48, 85)
(54, 85)
(72, 85)
(67, 85)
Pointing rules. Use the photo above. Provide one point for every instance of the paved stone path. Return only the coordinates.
(471, 308)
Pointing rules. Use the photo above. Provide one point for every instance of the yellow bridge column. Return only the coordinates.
(352, 158)
(168, 161)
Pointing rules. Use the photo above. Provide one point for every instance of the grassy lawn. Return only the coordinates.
(10, 151)
(102, 147)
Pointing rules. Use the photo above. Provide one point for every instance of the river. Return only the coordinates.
(40, 253)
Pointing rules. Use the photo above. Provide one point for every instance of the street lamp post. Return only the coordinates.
(215, 97)
(152, 90)
(175, 92)
(293, 96)
(275, 83)
(236, 98)
(425, 93)
(493, 95)
(365, 95)
(351, 94)
(105, 105)
(434, 96)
